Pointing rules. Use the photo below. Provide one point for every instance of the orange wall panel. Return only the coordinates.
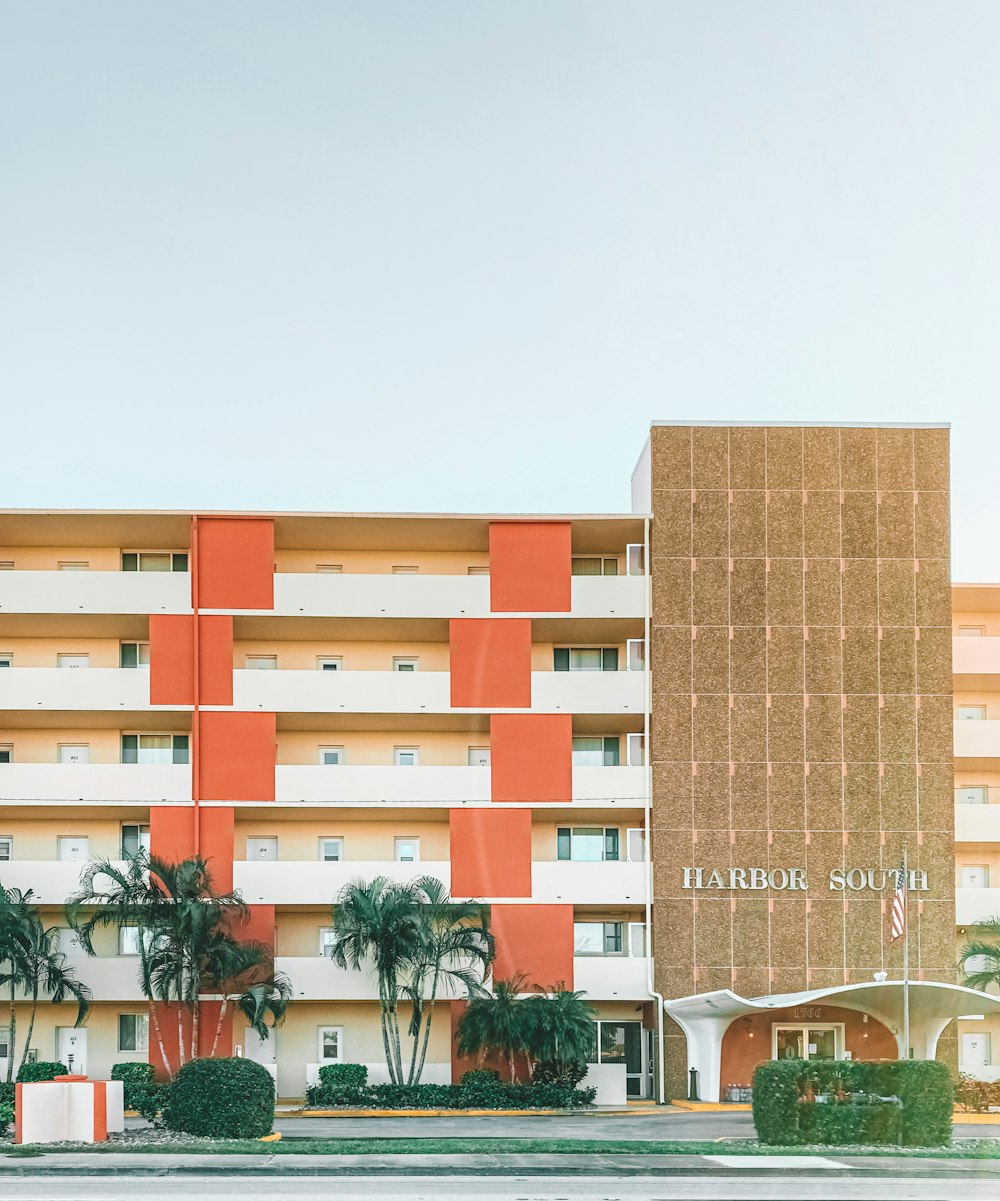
(531, 757)
(236, 756)
(259, 926)
(171, 832)
(171, 837)
(530, 566)
(171, 659)
(215, 659)
(461, 1064)
(536, 940)
(235, 563)
(216, 845)
(490, 852)
(208, 1024)
(490, 663)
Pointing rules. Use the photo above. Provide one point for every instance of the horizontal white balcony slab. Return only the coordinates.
(51, 881)
(975, 904)
(298, 882)
(79, 688)
(111, 978)
(317, 978)
(972, 657)
(443, 596)
(288, 691)
(365, 785)
(611, 977)
(977, 823)
(567, 883)
(140, 782)
(95, 592)
(619, 784)
(977, 740)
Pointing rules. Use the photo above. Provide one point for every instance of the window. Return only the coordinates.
(72, 660)
(154, 560)
(635, 558)
(330, 663)
(978, 963)
(331, 850)
(331, 756)
(406, 850)
(6, 752)
(135, 838)
(154, 748)
(128, 940)
(637, 940)
(73, 849)
(596, 751)
(75, 565)
(4, 1042)
(262, 662)
(330, 568)
(407, 663)
(971, 713)
(595, 565)
(635, 750)
(975, 875)
(406, 756)
(479, 571)
(807, 1042)
(589, 658)
(262, 849)
(587, 844)
(635, 654)
(979, 795)
(6, 659)
(405, 570)
(73, 752)
(133, 1032)
(133, 654)
(972, 631)
(479, 756)
(327, 942)
(598, 938)
(331, 1044)
(6, 848)
(6, 564)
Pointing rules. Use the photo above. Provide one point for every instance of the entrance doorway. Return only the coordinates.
(262, 1050)
(624, 1042)
(823, 1040)
(71, 1049)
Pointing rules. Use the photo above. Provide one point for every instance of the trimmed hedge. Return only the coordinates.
(31, 1073)
(143, 1092)
(478, 1090)
(854, 1113)
(6, 1116)
(221, 1098)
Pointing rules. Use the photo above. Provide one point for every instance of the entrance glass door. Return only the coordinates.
(808, 1042)
(622, 1042)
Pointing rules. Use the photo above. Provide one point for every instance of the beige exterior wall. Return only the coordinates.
(357, 656)
(364, 841)
(37, 838)
(48, 558)
(375, 748)
(42, 746)
(359, 562)
(44, 652)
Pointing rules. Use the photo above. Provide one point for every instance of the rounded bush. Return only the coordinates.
(221, 1098)
(30, 1073)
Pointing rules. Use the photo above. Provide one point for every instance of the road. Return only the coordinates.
(818, 1186)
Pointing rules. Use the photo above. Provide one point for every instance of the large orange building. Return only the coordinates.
(699, 837)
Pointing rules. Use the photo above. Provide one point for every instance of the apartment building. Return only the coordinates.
(701, 837)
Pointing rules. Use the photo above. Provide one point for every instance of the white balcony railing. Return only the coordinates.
(95, 592)
(611, 977)
(977, 823)
(298, 882)
(97, 688)
(140, 782)
(975, 656)
(568, 883)
(977, 739)
(975, 904)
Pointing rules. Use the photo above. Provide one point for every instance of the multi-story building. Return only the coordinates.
(701, 838)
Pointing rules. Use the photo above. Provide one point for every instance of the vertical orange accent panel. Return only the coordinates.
(235, 563)
(171, 832)
(171, 837)
(208, 1026)
(490, 852)
(530, 566)
(259, 926)
(531, 757)
(217, 832)
(171, 659)
(490, 663)
(18, 1113)
(536, 940)
(100, 1111)
(237, 756)
(460, 1065)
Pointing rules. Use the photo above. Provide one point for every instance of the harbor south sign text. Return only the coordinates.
(794, 879)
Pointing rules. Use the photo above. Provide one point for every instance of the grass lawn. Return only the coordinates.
(967, 1149)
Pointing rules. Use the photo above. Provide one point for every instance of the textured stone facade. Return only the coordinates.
(802, 701)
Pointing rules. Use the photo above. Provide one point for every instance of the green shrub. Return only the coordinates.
(8, 1093)
(484, 1091)
(782, 1117)
(30, 1073)
(142, 1091)
(976, 1096)
(6, 1116)
(567, 1072)
(480, 1076)
(221, 1098)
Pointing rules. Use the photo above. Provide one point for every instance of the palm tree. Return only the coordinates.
(496, 1024)
(15, 940)
(47, 970)
(243, 973)
(379, 921)
(984, 945)
(457, 951)
(560, 1025)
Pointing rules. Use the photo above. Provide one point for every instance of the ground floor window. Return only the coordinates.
(331, 1044)
(133, 1032)
(814, 1041)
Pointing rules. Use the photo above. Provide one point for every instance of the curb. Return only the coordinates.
(306, 1114)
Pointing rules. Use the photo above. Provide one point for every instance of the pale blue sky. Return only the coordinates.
(456, 256)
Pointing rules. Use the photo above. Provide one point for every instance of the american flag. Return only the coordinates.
(897, 914)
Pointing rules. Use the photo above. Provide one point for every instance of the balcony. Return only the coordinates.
(297, 691)
(63, 688)
(316, 978)
(977, 823)
(440, 596)
(298, 882)
(611, 977)
(95, 592)
(975, 663)
(109, 978)
(977, 742)
(136, 782)
(975, 904)
(50, 880)
(567, 883)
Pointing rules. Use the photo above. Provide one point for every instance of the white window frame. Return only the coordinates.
(972, 631)
(6, 564)
(332, 750)
(970, 713)
(635, 559)
(7, 749)
(141, 1034)
(603, 573)
(6, 659)
(330, 568)
(143, 842)
(139, 646)
(261, 663)
(398, 751)
(329, 662)
(338, 838)
(73, 565)
(805, 1027)
(635, 750)
(130, 941)
(404, 569)
(325, 945)
(635, 835)
(635, 654)
(172, 570)
(478, 570)
(6, 845)
(396, 848)
(140, 734)
(320, 1031)
(602, 953)
(407, 663)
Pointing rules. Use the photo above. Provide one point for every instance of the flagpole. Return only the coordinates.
(906, 958)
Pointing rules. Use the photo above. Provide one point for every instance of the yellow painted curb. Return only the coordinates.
(713, 1106)
(271, 1138)
(977, 1119)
